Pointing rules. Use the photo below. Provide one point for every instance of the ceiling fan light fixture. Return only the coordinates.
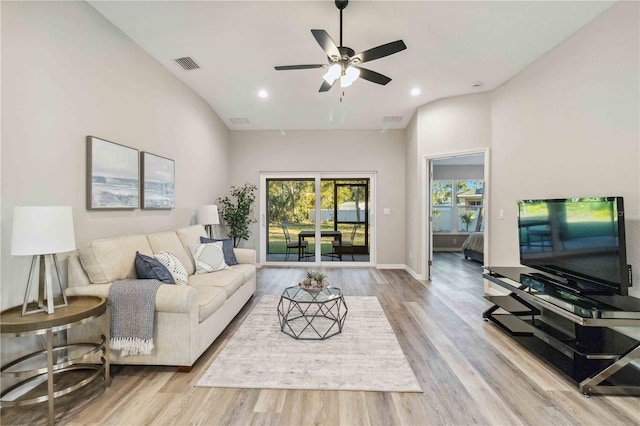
(345, 82)
(351, 74)
(333, 73)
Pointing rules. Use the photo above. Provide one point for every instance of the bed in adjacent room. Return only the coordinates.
(473, 247)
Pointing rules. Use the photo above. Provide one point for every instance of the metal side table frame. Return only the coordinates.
(80, 310)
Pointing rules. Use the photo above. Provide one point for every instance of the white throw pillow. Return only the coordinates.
(174, 266)
(208, 257)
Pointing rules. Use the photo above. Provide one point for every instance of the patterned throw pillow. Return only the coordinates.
(149, 268)
(208, 257)
(227, 249)
(174, 266)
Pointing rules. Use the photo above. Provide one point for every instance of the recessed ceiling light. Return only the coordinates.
(415, 91)
(476, 84)
(263, 94)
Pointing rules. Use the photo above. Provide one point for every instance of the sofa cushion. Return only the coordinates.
(230, 280)
(150, 268)
(170, 243)
(208, 257)
(227, 249)
(113, 259)
(210, 299)
(174, 266)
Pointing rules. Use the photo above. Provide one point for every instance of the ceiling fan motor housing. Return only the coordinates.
(346, 52)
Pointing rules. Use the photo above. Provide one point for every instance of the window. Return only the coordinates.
(459, 210)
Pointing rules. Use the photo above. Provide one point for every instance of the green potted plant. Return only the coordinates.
(314, 281)
(236, 209)
(467, 217)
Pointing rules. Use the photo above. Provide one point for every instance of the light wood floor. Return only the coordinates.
(470, 371)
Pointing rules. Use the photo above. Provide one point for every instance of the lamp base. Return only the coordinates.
(46, 302)
(209, 230)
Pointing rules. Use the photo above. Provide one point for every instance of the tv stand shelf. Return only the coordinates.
(572, 332)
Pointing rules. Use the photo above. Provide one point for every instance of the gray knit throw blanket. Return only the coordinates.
(132, 304)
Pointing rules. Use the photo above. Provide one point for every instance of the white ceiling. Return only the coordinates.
(450, 46)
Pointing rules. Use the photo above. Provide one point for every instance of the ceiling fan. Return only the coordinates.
(343, 61)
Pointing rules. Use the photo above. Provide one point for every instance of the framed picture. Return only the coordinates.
(113, 175)
(158, 182)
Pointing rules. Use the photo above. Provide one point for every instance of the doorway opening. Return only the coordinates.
(457, 202)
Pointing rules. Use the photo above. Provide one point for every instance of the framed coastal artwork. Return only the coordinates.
(113, 175)
(158, 182)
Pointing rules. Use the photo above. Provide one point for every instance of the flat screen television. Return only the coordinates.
(579, 240)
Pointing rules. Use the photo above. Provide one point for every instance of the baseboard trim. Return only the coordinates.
(414, 274)
(390, 266)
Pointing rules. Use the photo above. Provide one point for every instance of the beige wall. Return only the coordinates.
(449, 126)
(568, 125)
(68, 73)
(467, 172)
(413, 229)
(331, 151)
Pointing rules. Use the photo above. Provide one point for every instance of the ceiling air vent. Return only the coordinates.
(239, 120)
(392, 119)
(187, 63)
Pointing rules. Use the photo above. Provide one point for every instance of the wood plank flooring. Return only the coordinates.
(469, 370)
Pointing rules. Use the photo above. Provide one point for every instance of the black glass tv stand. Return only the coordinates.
(572, 332)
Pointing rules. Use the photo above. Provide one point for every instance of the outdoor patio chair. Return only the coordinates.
(293, 245)
(342, 247)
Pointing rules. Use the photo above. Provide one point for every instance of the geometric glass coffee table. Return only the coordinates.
(307, 315)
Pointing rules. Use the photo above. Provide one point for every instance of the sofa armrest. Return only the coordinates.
(177, 298)
(245, 255)
(100, 290)
(76, 276)
(169, 298)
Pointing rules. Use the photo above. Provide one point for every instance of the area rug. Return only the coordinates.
(366, 356)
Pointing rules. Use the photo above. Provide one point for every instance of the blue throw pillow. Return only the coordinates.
(227, 249)
(149, 268)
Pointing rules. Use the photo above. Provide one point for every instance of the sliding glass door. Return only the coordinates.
(316, 218)
(291, 219)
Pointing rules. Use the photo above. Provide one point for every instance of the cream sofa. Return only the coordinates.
(188, 318)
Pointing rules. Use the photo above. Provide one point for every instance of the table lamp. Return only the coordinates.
(42, 232)
(207, 216)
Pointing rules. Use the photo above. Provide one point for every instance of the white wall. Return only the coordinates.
(68, 73)
(568, 125)
(446, 127)
(413, 228)
(331, 151)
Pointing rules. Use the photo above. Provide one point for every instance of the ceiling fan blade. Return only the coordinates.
(326, 86)
(373, 76)
(299, 67)
(327, 44)
(378, 52)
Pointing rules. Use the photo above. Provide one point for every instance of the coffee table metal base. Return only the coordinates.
(312, 316)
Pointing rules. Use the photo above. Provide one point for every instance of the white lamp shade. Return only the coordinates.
(208, 215)
(42, 230)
